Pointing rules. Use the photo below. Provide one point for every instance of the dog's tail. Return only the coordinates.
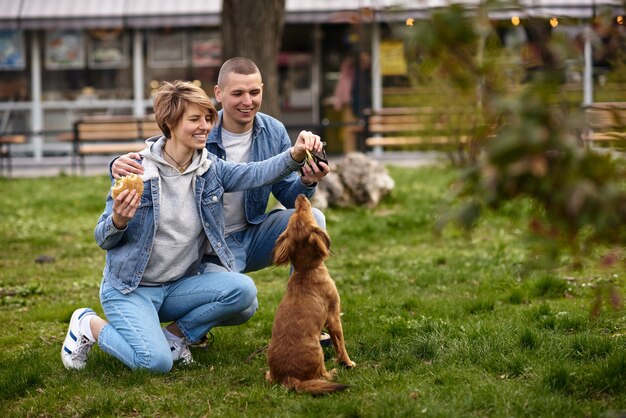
(315, 387)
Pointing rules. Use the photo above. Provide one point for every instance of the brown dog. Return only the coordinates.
(295, 357)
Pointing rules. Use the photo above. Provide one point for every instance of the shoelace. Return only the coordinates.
(177, 345)
(182, 348)
(185, 355)
(82, 349)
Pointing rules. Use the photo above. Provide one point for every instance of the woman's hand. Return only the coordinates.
(124, 207)
(306, 141)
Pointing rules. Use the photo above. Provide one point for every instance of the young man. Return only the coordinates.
(243, 134)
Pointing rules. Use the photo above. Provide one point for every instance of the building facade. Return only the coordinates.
(62, 59)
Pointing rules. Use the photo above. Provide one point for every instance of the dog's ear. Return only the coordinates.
(282, 252)
(320, 240)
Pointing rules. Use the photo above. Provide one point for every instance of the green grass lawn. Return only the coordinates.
(444, 326)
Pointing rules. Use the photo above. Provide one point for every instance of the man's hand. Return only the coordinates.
(313, 173)
(126, 164)
(306, 141)
(124, 207)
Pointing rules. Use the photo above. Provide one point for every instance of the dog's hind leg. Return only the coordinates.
(330, 374)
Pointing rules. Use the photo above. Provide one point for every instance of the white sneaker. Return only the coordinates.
(76, 345)
(180, 350)
(325, 340)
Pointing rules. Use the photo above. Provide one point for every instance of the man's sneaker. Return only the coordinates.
(180, 350)
(325, 340)
(76, 345)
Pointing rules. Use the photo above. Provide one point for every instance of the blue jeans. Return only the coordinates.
(197, 304)
(253, 246)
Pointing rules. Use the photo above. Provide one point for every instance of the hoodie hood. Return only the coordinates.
(153, 160)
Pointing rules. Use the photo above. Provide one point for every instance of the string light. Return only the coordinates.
(554, 22)
(515, 20)
(410, 21)
(620, 20)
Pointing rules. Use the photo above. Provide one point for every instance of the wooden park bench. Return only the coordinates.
(102, 135)
(5, 151)
(605, 123)
(419, 127)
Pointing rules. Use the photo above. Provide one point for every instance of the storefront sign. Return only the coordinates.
(392, 61)
(65, 49)
(167, 49)
(206, 50)
(108, 48)
(11, 50)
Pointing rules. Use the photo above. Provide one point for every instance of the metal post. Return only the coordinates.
(138, 80)
(36, 111)
(377, 79)
(588, 71)
(316, 74)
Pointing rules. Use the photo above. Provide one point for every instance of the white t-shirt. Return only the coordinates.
(237, 147)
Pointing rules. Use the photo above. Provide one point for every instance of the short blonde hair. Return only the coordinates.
(171, 100)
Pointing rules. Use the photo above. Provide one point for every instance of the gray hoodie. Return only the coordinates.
(179, 240)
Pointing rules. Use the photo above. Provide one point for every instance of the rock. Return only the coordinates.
(330, 191)
(44, 259)
(354, 180)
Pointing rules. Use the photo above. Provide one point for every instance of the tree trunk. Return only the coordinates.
(254, 29)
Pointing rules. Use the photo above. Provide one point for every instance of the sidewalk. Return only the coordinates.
(25, 167)
(53, 166)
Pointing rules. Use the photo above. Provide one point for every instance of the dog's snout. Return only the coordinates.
(302, 203)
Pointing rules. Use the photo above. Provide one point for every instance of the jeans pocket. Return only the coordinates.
(106, 291)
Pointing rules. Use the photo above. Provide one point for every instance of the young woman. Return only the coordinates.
(155, 241)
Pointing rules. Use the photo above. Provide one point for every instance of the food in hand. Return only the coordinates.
(130, 182)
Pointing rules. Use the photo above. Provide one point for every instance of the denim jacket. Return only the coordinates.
(269, 138)
(128, 249)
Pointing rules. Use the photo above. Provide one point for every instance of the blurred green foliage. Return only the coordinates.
(527, 144)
